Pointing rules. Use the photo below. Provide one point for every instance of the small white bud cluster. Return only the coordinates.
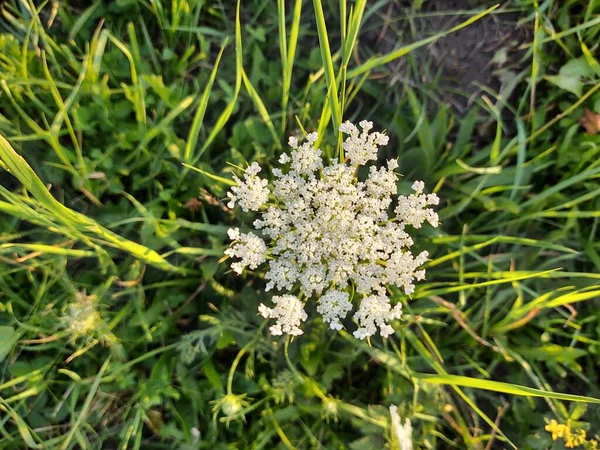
(251, 193)
(330, 234)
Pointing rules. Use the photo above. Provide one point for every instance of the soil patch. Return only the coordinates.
(481, 54)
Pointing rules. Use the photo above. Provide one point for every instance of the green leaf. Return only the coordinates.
(570, 76)
(8, 338)
(566, 83)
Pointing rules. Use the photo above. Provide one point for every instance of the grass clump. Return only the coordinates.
(121, 326)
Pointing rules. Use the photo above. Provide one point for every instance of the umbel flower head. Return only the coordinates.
(326, 234)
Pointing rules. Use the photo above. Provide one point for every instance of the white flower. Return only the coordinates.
(403, 433)
(233, 233)
(251, 193)
(402, 269)
(327, 230)
(334, 306)
(249, 248)
(375, 311)
(288, 313)
(305, 158)
(413, 210)
(361, 147)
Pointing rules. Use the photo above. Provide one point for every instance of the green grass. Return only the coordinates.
(120, 126)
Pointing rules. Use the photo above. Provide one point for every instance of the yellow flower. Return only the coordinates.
(576, 439)
(557, 430)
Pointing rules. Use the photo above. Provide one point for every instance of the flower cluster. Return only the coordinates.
(573, 437)
(330, 234)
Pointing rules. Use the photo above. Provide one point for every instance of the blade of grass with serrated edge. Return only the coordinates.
(17, 165)
(192, 139)
(328, 65)
(402, 51)
(224, 117)
(262, 109)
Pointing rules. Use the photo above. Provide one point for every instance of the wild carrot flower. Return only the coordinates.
(327, 234)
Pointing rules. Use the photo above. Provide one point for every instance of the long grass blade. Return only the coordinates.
(327, 59)
(192, 139)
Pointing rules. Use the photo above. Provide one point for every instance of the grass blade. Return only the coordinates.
(192, 139)
(499, 386)
(78, 222)
(226, 114)
(327, 59)
(262, 110)
(86, 405)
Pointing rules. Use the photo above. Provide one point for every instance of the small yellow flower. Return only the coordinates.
(576, 439)
(557, 430)
(573, 437)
